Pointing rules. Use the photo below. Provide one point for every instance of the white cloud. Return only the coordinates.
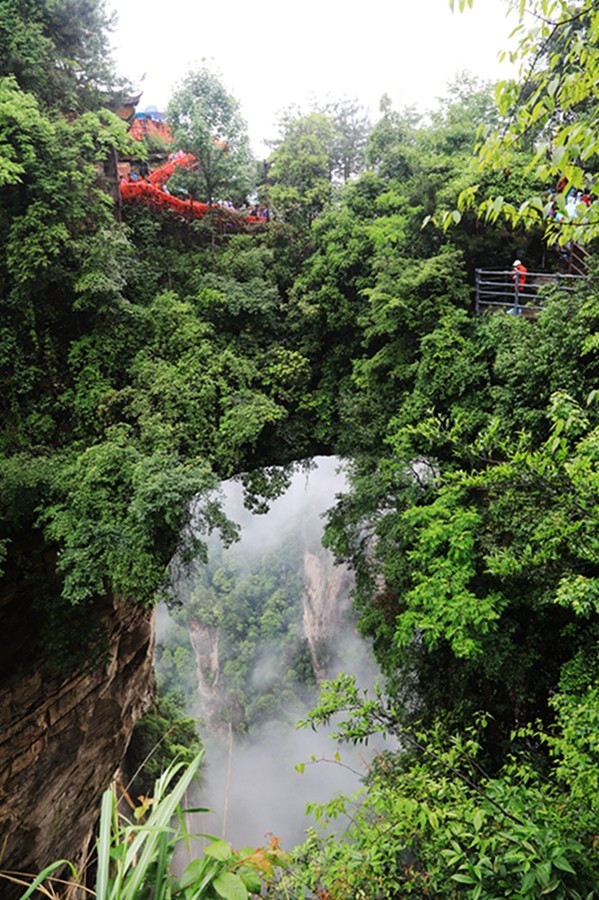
(272, 54)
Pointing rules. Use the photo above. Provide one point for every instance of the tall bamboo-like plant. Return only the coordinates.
(134, 856)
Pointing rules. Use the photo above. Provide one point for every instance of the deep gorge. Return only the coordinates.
(303, 632)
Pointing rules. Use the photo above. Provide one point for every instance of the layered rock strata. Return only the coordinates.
(62, 739)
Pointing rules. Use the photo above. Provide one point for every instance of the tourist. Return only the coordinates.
(519, 272)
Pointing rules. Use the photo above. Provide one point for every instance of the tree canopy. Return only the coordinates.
(207, 122)
(550, 111)
(59, 51)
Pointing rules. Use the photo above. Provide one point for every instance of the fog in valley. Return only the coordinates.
(250, 781)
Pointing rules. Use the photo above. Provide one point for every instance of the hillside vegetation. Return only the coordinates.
(145, 360)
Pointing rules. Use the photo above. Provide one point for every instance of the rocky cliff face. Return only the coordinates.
(62, 739)
(325, 600)
(204, 640)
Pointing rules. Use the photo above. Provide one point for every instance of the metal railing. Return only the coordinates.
(502, 289)
(578, 260)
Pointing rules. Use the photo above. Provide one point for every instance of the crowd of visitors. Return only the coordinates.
(575, 201)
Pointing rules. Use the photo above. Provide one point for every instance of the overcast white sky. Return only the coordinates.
(273, 53)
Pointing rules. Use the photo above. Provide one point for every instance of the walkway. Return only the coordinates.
(496, 289)
(151, 192)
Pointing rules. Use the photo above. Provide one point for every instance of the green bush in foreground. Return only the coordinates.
(430, 822)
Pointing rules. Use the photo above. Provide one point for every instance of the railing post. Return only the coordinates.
(477, 294)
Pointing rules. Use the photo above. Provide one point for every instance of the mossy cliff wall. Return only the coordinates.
(63, 737)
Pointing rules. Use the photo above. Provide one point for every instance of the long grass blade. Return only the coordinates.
(103, 871)
(162, 867)
(45, 874)
(145, 844)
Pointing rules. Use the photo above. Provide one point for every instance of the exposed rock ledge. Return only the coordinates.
(63, 739)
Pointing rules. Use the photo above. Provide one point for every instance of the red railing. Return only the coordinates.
(151, 192)
(161, 175)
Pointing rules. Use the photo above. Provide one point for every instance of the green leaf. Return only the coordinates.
(479, 818)
(46, 873)
(463, 879)
(196, 871)
(561, 863)
(433, 819)
(543, 872)
(550, 888)
(230, 886)
(103, 846)
(219, 850)
(251, 881)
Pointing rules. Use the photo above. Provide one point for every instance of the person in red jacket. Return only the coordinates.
(519, 272)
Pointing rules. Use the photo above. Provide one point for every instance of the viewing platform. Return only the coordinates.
(499, 289)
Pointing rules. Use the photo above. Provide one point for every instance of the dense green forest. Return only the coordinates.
(250, 602)
(146, 359)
